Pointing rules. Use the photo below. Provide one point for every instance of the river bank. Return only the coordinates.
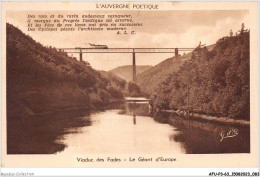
(197, 116)
(99, 107)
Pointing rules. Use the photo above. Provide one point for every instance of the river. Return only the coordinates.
(121, 128)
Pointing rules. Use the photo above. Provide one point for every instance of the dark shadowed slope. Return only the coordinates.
(41, 79)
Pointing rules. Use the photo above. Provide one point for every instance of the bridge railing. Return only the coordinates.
(124, 50)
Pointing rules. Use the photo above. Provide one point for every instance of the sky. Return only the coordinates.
(163, 29)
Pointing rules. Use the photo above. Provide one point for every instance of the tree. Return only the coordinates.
(242, 28)
(231, 33)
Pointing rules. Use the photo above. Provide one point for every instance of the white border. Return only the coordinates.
(125, 171)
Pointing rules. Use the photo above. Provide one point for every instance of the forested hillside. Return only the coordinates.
(152, 77)
(126, 72)
(212, 82)
(41, 79)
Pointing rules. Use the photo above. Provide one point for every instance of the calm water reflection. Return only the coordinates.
(132, 130)
(128, 130)
(204, 138)
(121, 128)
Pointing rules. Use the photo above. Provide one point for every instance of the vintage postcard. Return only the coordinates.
(129, 84)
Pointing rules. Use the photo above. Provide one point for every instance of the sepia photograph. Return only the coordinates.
(132, 84)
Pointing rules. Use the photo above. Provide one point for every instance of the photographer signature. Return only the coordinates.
(231, 133)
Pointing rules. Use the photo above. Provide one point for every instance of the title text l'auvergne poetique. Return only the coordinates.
(127, 6)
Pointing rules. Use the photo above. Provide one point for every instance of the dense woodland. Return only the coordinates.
(149, 79)
(152, 77)
(214, 82)
(43, 79)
